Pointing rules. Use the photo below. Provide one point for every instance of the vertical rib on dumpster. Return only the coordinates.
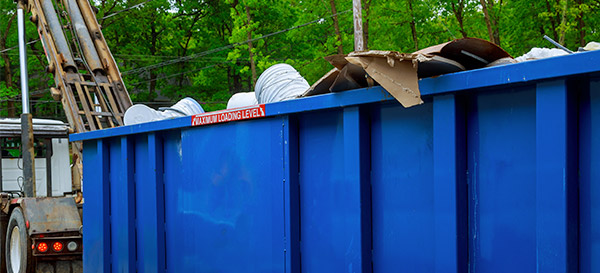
(449, 183)
(357, 167)
(589, 187)
(96, 212)
(150, 203)
(291, 196)
(555, 183)
(122, 205)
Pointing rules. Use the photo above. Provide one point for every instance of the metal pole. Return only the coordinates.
(359, 44)
(557, 44)
(26, 118)
(23, 57)
(57, 35)
(49, 153)
(1, 147)
(85, 40)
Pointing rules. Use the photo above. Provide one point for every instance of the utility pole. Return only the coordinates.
(358, 26)
(26, 119)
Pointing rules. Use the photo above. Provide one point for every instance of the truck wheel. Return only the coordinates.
(18, 255)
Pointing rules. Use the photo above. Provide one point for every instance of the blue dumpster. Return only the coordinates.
(498, 171)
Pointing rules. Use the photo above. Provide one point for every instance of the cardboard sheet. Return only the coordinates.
(399, 73)
(395, 72)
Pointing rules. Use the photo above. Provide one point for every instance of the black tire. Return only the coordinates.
(3, 224)
(21, 253)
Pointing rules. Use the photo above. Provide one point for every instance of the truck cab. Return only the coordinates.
(52, 164)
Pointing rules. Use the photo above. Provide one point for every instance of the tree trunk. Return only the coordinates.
(491, 21)
(367, 10)
(337, 27)
(10, 105)
(413, 25)
(236, 80)
(458, 13)
(154, 34)
(487, 20)
(252, 64)
(563, 22)
(552, 20)
(581, 25)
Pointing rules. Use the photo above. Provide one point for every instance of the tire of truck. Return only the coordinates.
(17, 253)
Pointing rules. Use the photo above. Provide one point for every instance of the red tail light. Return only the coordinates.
(43, 247)
(57, 246)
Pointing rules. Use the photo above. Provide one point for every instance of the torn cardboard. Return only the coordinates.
(398, 73)
(395, 72)
(322, 85)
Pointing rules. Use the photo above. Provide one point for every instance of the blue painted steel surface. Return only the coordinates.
(150, 214)
(122, 207)
(96, 209)
(449, 185)
(556, 181)
(334, 227)
(589, 168)
(503, 177)
(226, 215)
(324, 211)
(402, 188)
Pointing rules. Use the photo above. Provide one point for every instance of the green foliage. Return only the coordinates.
(7, 92)
(164, 31)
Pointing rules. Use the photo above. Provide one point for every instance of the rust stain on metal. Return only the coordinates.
(51, 214)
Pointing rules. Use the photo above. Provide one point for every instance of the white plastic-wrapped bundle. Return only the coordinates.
(541, 53)
(278, 83)
(242, 99)
(140, 113)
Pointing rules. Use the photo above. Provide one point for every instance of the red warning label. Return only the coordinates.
(250, 112)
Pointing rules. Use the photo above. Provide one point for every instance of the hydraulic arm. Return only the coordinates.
(87, 79)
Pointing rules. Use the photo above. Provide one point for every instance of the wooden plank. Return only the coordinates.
(112, 89)
(86, 107)
(91, 101)
(104, 106)
(113, 103)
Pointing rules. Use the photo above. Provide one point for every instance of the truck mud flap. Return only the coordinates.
(75, 266)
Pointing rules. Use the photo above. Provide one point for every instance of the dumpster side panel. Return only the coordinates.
(502, 181)
(323, 206)
(402, 188)
(224, 197)
(334, 216)
(589, 167)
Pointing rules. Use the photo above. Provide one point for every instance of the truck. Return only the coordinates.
(42, 233)
(40, 190)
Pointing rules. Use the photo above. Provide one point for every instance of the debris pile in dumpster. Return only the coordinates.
(140, 113)
(398, 73)
(537, 53)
